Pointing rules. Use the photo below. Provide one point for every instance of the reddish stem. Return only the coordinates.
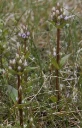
(58, 58)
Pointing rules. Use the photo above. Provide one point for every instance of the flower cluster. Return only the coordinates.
(58, 15)
(24, 32)
(18, 63)
(24, 35)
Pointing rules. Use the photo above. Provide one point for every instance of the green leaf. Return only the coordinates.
(53, 98)
(27, 55)
(12, 93)
(64, 60)
(54, 62)
(31, 68)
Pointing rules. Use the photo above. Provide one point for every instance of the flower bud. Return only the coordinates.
(22, 57)
(10, 67)
(10, 61)
(17, 55)
(57, 12)
(53, 14)
(20, 61)
(53, 9)
(3, 70)
(58, 4)
(67, 25)
(25, 63)
(16, 98)
(19, 68)
(13, 61)
(28, 33)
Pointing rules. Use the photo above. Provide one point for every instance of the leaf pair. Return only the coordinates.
(61, 63)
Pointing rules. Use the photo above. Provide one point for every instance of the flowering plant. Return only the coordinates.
(18, 64)
(59, 17)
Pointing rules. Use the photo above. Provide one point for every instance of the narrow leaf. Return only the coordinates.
(64, 60)
(31, 68)
(54, 62)
(53, 99)
(12, 93)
